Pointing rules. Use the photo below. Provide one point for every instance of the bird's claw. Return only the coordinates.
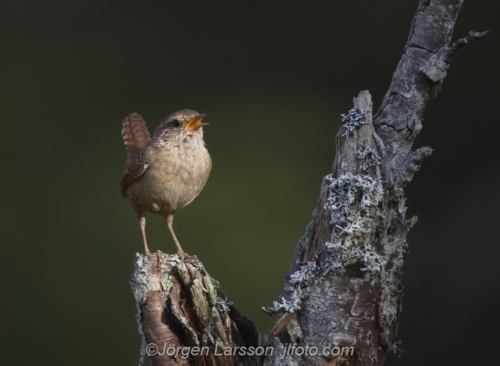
(184, 257)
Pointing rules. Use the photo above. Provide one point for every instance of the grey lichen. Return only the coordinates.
(223, 305)
(354, 119)
(369, 156)
(302, 281)
(352, 201)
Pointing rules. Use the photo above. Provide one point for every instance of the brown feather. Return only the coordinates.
(135, 135)
(136, 168)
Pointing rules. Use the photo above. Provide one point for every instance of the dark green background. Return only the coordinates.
(274, 77)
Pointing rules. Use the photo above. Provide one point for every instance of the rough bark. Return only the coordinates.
(343, 287)
(183, 316)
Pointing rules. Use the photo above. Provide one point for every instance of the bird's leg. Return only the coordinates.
(142, 224)
(169, 220)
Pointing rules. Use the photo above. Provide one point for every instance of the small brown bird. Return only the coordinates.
(164, 173)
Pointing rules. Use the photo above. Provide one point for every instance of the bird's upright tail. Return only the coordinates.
(135, 135)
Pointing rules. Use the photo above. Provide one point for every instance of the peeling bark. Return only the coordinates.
(184, 318)
(343, 288)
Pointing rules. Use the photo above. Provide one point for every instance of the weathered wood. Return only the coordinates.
(335, 284)
(344, 283)
(418, 76)
(183, 316)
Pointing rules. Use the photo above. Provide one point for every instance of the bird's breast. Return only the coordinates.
(175, 178)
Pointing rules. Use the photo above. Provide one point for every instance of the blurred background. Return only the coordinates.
(274, 77)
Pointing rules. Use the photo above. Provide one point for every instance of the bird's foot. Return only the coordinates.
(184, 257)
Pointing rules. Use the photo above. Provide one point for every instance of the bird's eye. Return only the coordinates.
(176, 123)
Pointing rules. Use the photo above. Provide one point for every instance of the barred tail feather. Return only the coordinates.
(135, 135)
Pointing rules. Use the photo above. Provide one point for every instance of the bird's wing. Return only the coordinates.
(136, 168)
(135, 135)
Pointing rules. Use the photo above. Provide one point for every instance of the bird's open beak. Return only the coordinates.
(196, 123)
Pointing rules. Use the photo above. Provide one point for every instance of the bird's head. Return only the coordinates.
(185, 122)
